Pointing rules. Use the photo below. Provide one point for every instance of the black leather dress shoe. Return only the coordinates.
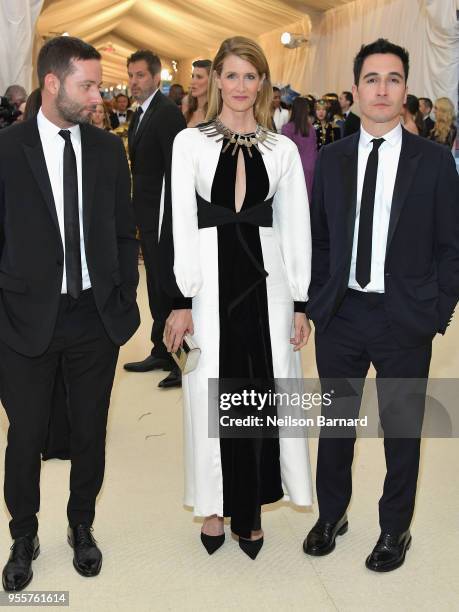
(321, 539)
(149, 364)
(389, 552)
(174, 379)
(87, 558)
(17, 573)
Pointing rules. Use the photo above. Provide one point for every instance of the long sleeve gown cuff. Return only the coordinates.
(181, 302)
(300, 306)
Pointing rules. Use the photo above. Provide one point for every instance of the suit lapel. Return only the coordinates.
(349, 163)
(36, 159)
(146, 118)
(409, 159)
(89, 165)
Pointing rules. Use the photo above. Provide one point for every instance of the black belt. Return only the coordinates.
(259, 215)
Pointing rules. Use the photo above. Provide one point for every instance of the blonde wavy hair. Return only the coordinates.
(444, 119)
(248, 50)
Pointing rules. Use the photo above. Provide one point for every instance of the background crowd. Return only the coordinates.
(310, 121)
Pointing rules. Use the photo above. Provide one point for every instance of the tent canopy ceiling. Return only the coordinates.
(175, 29)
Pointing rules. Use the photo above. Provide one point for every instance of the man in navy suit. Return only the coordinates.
(385, 281)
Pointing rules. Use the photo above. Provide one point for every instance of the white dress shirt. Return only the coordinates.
(280, 118)
(121, 119)
(53, 149)
(145, 106)
(389, 154)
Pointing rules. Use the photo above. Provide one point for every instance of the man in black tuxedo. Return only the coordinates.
(151, 134)
(352, 121)
(425, 107)
(120, 114)
(385, 280)
(68, 281)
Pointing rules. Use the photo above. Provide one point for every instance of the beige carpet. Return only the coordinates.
(153, 559)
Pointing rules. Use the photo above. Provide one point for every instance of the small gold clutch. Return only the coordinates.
(187, 356)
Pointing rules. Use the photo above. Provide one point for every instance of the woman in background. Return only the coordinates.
(33, 104)
(335, 114)
(99, 118)
(411, 115)
(197, 100)
(444, 130)
(325, 131)
(300, 130)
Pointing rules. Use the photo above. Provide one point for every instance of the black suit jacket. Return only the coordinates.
(150, 152)
(351, 125)
(422, 253)
(114, 120)
(428, 126)
(31, 250)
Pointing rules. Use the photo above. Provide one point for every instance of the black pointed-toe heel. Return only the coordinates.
(251, 547)
(212, 543)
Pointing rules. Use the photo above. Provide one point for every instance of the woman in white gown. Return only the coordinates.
(242, 247)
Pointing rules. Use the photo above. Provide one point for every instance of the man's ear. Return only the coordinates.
(52, 84)
(355, 93)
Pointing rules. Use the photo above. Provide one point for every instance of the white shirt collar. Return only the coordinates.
(49, 130)
(393, 137)
(147, 102)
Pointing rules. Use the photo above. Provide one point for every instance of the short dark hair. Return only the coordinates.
(152, 60)
(121, 95)
(382, 45)
(276, 88)
(176, 87)
(57, 55)
(203, 63)
(349, 97)
(427, 101)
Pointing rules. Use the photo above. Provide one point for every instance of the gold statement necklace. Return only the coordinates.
(261, 137)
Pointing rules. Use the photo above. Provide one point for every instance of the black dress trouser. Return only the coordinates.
(27, 389)
(360, 334)
(160, 302)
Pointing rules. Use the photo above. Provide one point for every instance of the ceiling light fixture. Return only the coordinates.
(292, 41)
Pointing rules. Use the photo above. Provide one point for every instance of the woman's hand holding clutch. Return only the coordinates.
(302, 331)
(179, 323)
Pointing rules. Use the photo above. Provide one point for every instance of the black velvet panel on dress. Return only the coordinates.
(250, 466)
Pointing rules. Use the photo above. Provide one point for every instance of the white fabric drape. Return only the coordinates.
(17, 32)
(427, 28)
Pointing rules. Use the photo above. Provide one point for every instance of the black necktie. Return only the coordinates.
(136, 119)
(363, 265)
(71, 219)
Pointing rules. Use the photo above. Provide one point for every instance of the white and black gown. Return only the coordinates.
(243, 273)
